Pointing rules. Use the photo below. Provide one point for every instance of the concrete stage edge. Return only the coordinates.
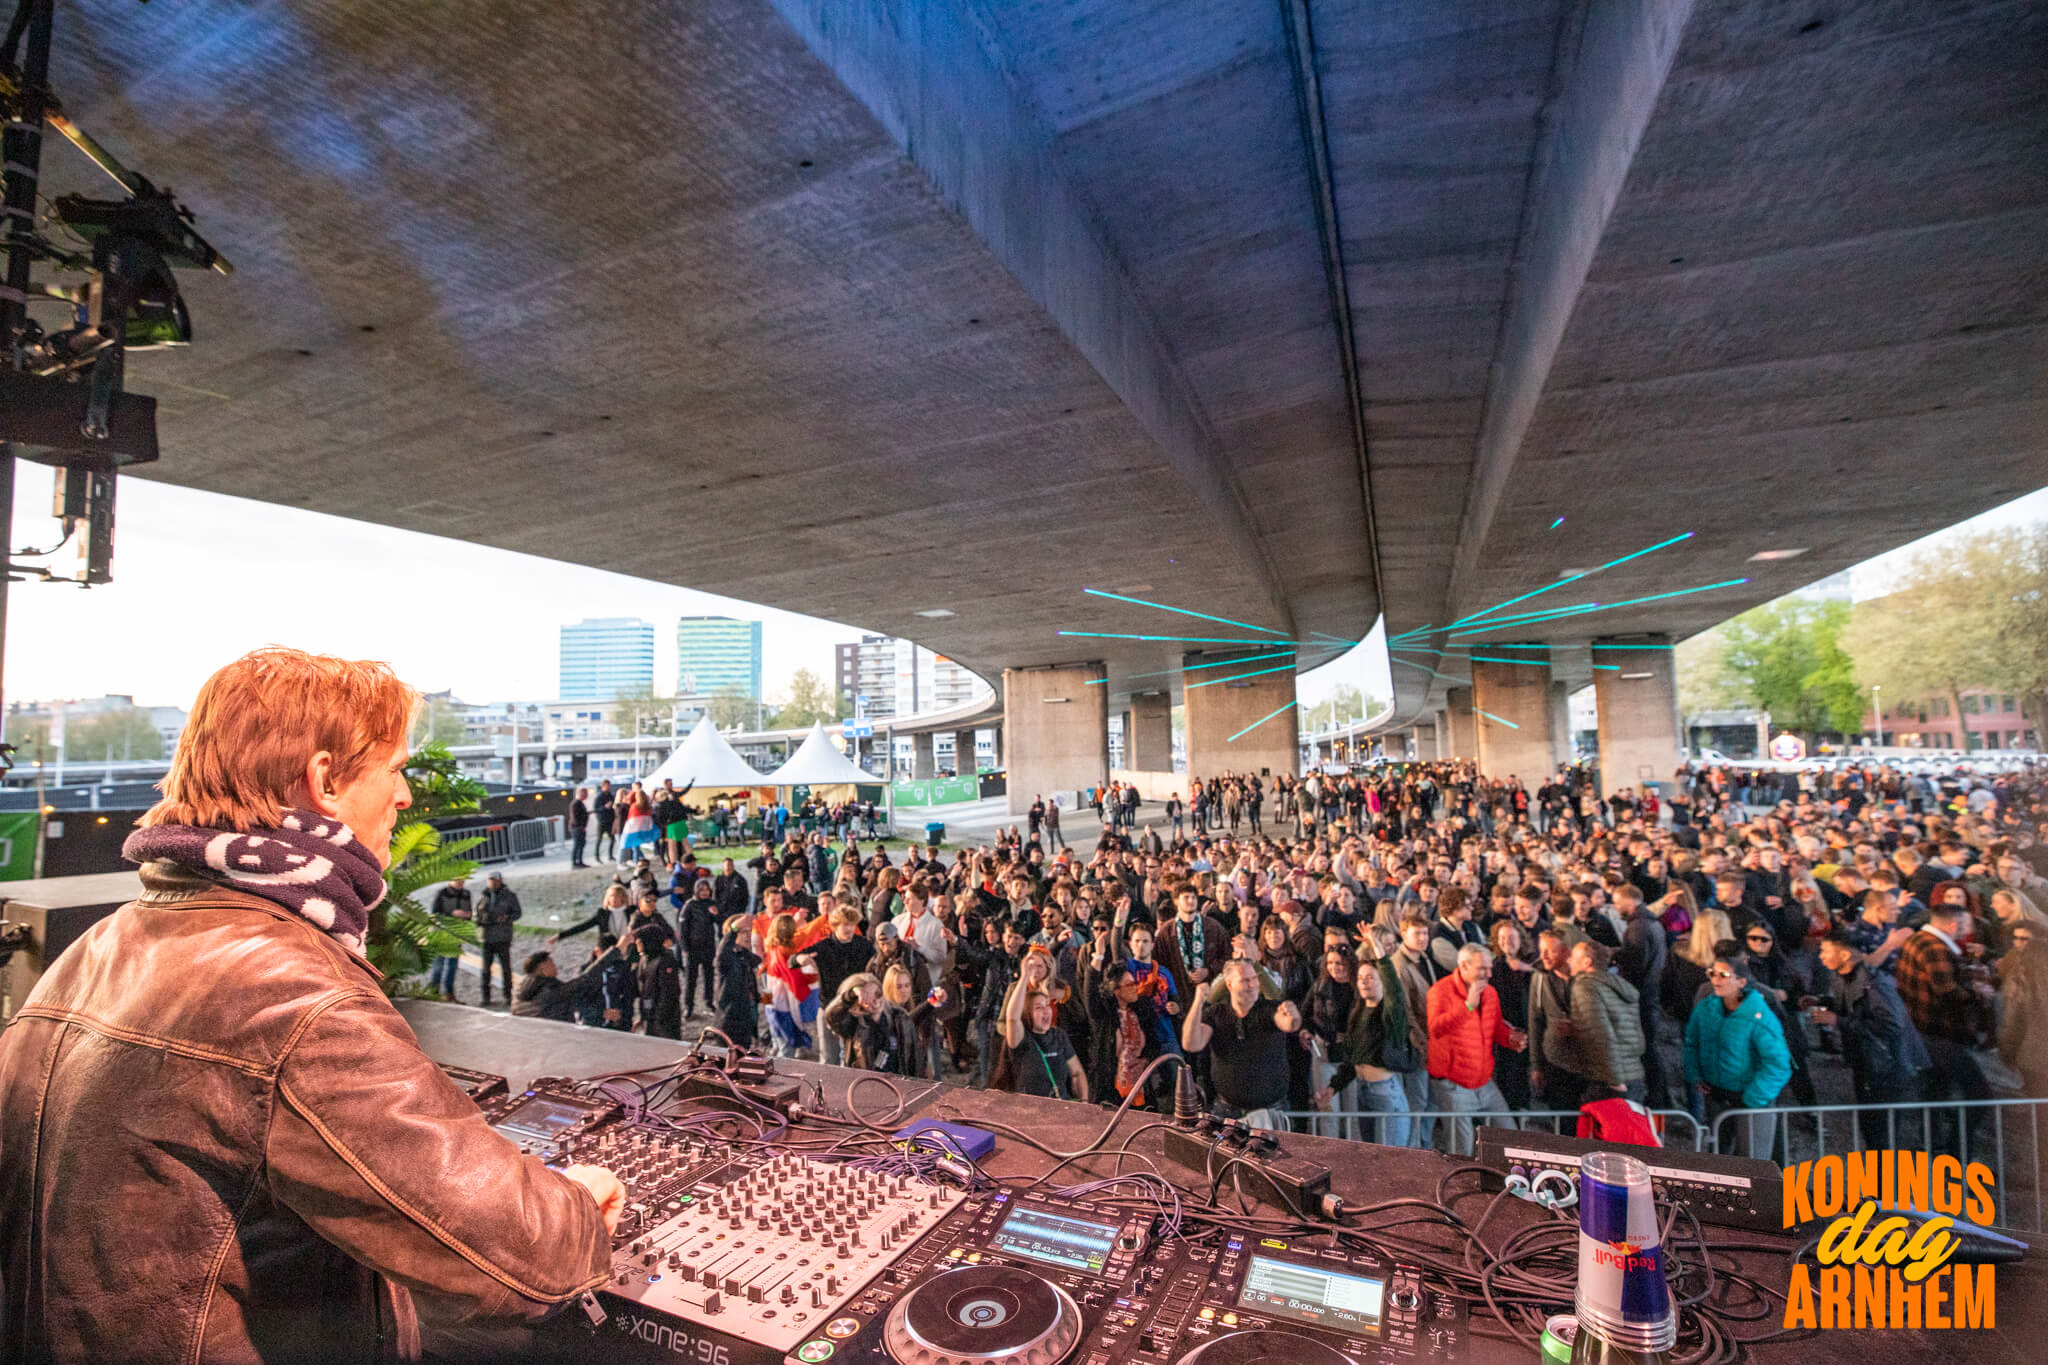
(1362, 1173)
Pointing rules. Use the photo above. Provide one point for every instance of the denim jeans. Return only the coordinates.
(1389, 1097)
(1487, 1099)
(831, 1047)
(1415, 1086)
(441, 976)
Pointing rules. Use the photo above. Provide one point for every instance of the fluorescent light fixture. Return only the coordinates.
(1573, 573)
(1055, 701)
(1636, 676)
(1780, 554)
(935, 613)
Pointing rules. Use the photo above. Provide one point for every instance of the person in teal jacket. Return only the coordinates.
(1736, 1051)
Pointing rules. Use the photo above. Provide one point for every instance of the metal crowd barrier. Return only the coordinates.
(2004, 1135)
(513, 840)
(1679, 1128)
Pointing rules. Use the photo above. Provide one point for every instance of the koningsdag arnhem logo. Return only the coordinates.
(1881, 1269)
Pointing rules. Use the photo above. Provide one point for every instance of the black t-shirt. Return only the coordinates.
(1248, 1056)
(1040, 1065)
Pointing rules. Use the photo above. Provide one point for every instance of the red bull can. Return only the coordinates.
(1623, 1296)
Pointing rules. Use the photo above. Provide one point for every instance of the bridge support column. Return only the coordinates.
(1148, 734)
(1247, 726)
(965, 761)
(1056, 729)
(1464, 739)
(1511, 703)
(1638, 701)
(923, 764)
(1561, 721)
(1425, 741)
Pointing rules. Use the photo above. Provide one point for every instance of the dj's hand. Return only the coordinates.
(605, 1188)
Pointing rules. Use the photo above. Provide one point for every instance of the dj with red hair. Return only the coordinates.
(218, 1140)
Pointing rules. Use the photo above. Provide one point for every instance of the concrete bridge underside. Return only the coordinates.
(1288, 313)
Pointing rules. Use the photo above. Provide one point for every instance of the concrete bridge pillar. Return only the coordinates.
(1464, 739)
(1246, 726)
(1148, 734)
(922, 762)
(964, 758)
(1511, 704)
(1056, 729)
(1561, 721)
(1638, 702)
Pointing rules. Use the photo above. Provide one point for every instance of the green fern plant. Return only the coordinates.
(404, 936)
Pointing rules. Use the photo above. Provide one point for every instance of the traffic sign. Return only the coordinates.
(859, 729)
(1788, 748)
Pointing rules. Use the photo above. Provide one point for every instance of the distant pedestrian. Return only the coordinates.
(497, 910)
(579, 822)
(603, 805)
(454, 901)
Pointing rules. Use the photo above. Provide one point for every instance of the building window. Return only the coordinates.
(1970, 704)
(2010, 705)
(1940, 706)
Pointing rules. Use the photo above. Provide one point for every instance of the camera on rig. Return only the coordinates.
(111, 263)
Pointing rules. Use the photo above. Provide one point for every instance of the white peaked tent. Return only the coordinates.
(707, 760)
(818, 763)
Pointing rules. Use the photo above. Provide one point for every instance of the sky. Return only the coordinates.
(200, 578)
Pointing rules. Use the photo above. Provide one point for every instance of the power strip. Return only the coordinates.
(1262, 1166)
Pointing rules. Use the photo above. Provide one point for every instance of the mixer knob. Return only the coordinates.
(649, 1258)
(817, 1297)
(755, 1293)
(788, 1294)
(831, 1284)
(803, 1234)
(675, 1260)
(840, 1249)
(1406, 1299)
(714, 1302)
(709, 1278)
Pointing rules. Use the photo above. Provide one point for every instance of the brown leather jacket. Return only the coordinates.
(219, 1142)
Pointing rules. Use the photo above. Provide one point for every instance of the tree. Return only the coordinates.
(642, 712)
(732, 708)
(1787, 657)
(112, 736)
(439, 723)
(810, 701)
(1705, 682)
(1345, 703)
(1968, 613)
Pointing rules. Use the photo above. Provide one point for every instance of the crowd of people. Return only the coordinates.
(1399, 950)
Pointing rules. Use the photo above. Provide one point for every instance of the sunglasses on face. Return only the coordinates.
(1720, 976)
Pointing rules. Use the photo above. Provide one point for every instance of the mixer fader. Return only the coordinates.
(773, 1251)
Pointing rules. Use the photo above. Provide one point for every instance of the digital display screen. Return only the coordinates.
(1311, 1294)
(539, 1120)
(1075, 1243)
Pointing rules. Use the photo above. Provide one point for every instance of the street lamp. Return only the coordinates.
(1877, 711)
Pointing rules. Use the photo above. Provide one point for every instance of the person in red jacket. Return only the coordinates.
(1464, 1026)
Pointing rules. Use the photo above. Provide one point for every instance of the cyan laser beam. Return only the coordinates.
(1497, 720)
(1547, 587)
(1611, 668)
(1260, 721)
(1256, 673)
(1555, 524)
(1220, 663)
(1491, 659)
(1183, 611)
(1410, 634)
(1586, 608)
(1182, 639)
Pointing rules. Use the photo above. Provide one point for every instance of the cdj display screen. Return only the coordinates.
(538, 1120)
(1314, 1295)
(1075, 1243)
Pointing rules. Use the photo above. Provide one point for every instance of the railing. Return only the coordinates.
(1317, 1122)
(2004, 1135)
(512, 840)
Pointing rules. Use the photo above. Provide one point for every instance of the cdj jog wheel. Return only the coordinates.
(1265, 1348)
(984, 1313)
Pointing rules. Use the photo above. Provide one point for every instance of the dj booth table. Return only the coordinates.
(1361, 1173)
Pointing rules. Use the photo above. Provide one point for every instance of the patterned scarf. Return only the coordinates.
(311, 865)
